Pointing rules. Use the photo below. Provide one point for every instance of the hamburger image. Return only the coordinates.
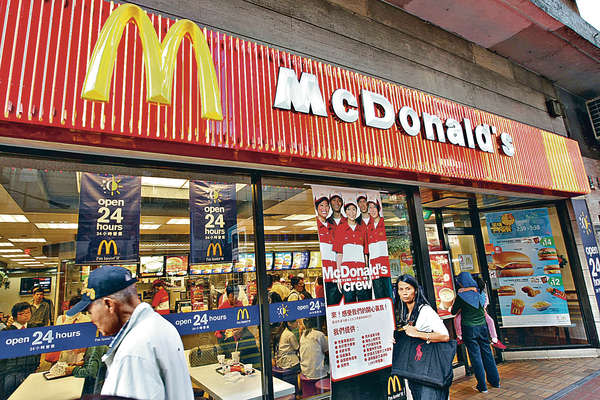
(547, 253)
(552, 269)
(511, 264)
(506, 291)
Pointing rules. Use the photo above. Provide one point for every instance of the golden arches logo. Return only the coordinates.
(243, 314)
(394, 385)
(159, 60)
(214, 247)
(107, 245)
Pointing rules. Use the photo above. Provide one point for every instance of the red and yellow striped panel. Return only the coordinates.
(45, 48)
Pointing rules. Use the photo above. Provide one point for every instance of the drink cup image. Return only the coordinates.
(248, 368)
(235, 356)
(221, 358)
(446, 298)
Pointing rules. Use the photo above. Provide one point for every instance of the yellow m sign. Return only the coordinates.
(159, 60)
(107, 245)
(242, 314)
(394, 385)
(214, 247)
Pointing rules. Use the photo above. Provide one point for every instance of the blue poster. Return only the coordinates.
(214, 320)
(213, 222)
(588, 240)
(109, 219)
(293, 310)
(525, 269)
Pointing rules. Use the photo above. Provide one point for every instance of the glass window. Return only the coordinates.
(39, 209)
(535, 293)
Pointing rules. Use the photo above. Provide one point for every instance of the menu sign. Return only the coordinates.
(526, 265)
(213, 221)
(109, 219)
(356, 274)
(443, 285)
(588, 240)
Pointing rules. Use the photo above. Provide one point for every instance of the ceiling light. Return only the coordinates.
(57, 225)
(13, 218)
(149, 227)
(299, 217)
(274, 228)
(163, 182)
(312, 228)
(30, 263)
(14, 255)
(305, 223)
(28, 240)
(15, 250)
(239, 186)
(178, 221)
(6, 244)
(40, 257)
(395, 219)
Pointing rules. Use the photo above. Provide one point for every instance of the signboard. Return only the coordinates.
(293, 310)
(109, 219)
(525, 263)
(356, 275)
(388, 129)
(213, 320)
(443, 284)
(588, 241)
(213, 221)
(465, 261)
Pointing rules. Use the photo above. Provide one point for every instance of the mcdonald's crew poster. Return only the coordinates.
(356, 272)
(109, 219)
(213, 220)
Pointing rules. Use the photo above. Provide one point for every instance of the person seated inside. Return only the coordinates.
(285, 349)
(313, 351)
(244, 341)
(13, 371)
(297, 289)
(92, 369)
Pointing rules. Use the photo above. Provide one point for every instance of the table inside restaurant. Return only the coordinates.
(39, 388)
(246, 388)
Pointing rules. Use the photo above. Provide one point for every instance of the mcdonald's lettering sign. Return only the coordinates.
(107, 245)
(214, 247)
(395, 390)
(159, 60)
(243, 315)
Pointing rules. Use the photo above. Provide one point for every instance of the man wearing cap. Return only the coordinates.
(328, 257)
(145, 360)
(336, 202)
(41, 314)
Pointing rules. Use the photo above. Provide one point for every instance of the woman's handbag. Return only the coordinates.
(429, 364)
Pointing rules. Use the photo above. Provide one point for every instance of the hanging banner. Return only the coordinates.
(588, 240)
(441, 272)
(109, 219)
(213, 320)
(526, 264)
(356, 272)
(213, 223)
(293, 310)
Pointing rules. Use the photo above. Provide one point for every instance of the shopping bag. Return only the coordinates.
(427, 363)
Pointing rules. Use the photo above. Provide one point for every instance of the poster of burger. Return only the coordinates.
(525, 263)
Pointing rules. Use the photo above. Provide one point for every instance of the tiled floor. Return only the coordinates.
(535, 380)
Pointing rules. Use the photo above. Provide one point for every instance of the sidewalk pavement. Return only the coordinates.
(563, 379)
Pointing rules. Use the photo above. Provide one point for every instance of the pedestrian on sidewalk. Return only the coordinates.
(470, 303)
(488, 320)
(418, 319)
(145, 360)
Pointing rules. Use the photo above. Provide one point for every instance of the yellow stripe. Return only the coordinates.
(561, 167)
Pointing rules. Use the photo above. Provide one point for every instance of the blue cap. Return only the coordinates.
(102, 282)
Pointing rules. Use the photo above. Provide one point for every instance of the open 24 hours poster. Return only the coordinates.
(525, 264)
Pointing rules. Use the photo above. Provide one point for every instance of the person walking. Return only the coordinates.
(145, 360)
(475, 333)
(416, 318)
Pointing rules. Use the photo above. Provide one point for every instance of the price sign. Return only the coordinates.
(547, 241)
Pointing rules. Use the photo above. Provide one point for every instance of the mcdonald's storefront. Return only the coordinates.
(191, 157)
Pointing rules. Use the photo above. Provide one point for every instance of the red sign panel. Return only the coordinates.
(46, 48)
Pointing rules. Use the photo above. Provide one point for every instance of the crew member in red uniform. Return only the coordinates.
(160, 301)
(378, 251)
(328, 258)
(350, 247)
(336, 202)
